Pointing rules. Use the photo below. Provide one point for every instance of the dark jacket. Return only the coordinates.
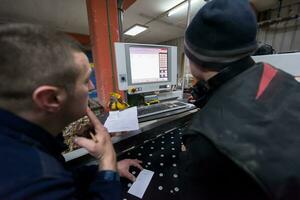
(244, 143)
(32, 167)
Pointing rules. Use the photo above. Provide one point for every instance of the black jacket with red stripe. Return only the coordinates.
(245, 142)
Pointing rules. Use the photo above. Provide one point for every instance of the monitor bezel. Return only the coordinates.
(128, 63)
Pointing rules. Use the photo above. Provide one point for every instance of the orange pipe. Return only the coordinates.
(103, 24)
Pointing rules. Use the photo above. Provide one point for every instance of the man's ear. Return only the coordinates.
(49, 98)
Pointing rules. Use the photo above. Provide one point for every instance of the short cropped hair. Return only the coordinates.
(31, 56)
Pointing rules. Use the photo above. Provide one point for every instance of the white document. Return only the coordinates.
(141, 183)
(125, 120)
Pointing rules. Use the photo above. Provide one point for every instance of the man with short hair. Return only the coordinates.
(244, 142)
(44, 86)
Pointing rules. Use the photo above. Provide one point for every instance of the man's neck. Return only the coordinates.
(209, 74)
(44, 122)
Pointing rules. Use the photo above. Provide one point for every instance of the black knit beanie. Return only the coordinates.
(222, 32)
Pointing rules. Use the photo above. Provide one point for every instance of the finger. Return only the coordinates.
(93, 118)
(93, 137)
(129, 176)
(183, 148)
(84, 142)
(139, 161)
(113, 134)
(135, 163)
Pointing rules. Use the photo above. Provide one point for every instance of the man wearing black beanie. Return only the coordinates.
(244, 142)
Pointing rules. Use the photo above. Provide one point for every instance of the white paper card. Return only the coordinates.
(141, 183)
(114, 115)
(125, 120)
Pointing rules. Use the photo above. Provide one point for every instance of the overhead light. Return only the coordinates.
(135, 29)
(182, 7)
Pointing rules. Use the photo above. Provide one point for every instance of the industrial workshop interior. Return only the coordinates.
(181, 100)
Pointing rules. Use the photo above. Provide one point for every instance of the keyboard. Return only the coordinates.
(159, 108)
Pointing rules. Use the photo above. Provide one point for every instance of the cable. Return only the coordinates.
(185, 57)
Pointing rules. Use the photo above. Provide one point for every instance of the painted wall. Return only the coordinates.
(283, 36)
(287, 62)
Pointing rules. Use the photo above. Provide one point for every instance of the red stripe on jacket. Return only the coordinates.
(267, 76)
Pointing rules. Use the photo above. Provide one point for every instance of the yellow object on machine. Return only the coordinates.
(151, 99)
(152, 102)
(116, 102)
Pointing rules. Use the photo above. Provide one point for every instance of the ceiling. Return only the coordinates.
(65, 15)
(163, 28)
(71, 16)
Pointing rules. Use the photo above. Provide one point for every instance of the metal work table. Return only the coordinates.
(148, 129)
(158, 144)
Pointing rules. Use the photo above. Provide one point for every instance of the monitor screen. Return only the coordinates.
(148, 64)
(145, 68)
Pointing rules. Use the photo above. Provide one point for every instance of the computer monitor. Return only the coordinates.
(145, 68)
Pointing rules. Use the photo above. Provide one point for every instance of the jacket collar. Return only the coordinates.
(27, 132)
(230, 71)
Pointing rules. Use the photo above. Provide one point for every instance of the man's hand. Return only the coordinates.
(123, 168)
(103, 149)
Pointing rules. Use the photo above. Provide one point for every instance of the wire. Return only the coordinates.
(185, 57)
